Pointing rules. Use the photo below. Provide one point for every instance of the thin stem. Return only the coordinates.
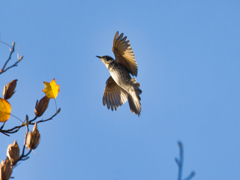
(2, 125)
(16, 117)
(4, 69)
(10, 55)
(5, 44)
(31, 122)
(48, 118)
(190, 176)
(23, 156)
(55, 104)
(180, 164)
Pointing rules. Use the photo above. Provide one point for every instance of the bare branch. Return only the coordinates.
(12, 49)
(190, 176)
(180, 164)
(23, 156)
(31, 122)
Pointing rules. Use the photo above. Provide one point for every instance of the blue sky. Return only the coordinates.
(188, 54)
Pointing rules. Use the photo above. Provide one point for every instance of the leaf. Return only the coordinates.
(5, 110)
(51, 89)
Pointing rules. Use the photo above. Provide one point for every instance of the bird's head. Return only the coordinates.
(106, 60)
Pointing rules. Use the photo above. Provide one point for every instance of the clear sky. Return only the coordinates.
(188, 54)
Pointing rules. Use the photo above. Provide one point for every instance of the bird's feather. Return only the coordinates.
(124, 54)
(114, 96)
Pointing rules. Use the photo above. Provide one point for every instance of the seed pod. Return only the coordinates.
(41, 106)
(5, 170)
(33, 138)
(13, 152)
(9, 89)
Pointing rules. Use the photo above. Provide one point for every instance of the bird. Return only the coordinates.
(120, 86)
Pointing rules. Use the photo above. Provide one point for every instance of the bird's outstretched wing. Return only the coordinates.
(124, 54)
(113, 96)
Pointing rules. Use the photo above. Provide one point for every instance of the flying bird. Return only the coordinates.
(120, 86)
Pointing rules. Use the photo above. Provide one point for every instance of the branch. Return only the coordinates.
(48, 118)
(23, 156)
(31, 122)
(180, 161)
(180, 164)
(4, 69)
(190, 176)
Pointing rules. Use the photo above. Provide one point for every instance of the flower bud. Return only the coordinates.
(41, 106)
(13, 44)
(33, 138)
(5, 170)
(13, 152)
(9, 89)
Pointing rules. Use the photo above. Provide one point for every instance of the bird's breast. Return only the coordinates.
(120, 76)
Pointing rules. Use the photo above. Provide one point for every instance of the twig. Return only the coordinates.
(14, 129)
(31, 122)
(180, 161)
(4, 69)
(23, 156)
(180, 164)
(2, 125)
(48, 118)
(190, 176)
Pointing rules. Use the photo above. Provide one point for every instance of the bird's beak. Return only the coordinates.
(99, 57)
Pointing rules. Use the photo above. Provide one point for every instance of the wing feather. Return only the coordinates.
(113, 96)
(124, 54)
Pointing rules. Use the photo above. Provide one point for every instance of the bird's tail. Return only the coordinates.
(134, 97)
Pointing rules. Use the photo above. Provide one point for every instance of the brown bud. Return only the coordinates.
(41, 106)
(33, 138)
(9, 89)
(13, 152)
(5, 170)
(20, 58)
